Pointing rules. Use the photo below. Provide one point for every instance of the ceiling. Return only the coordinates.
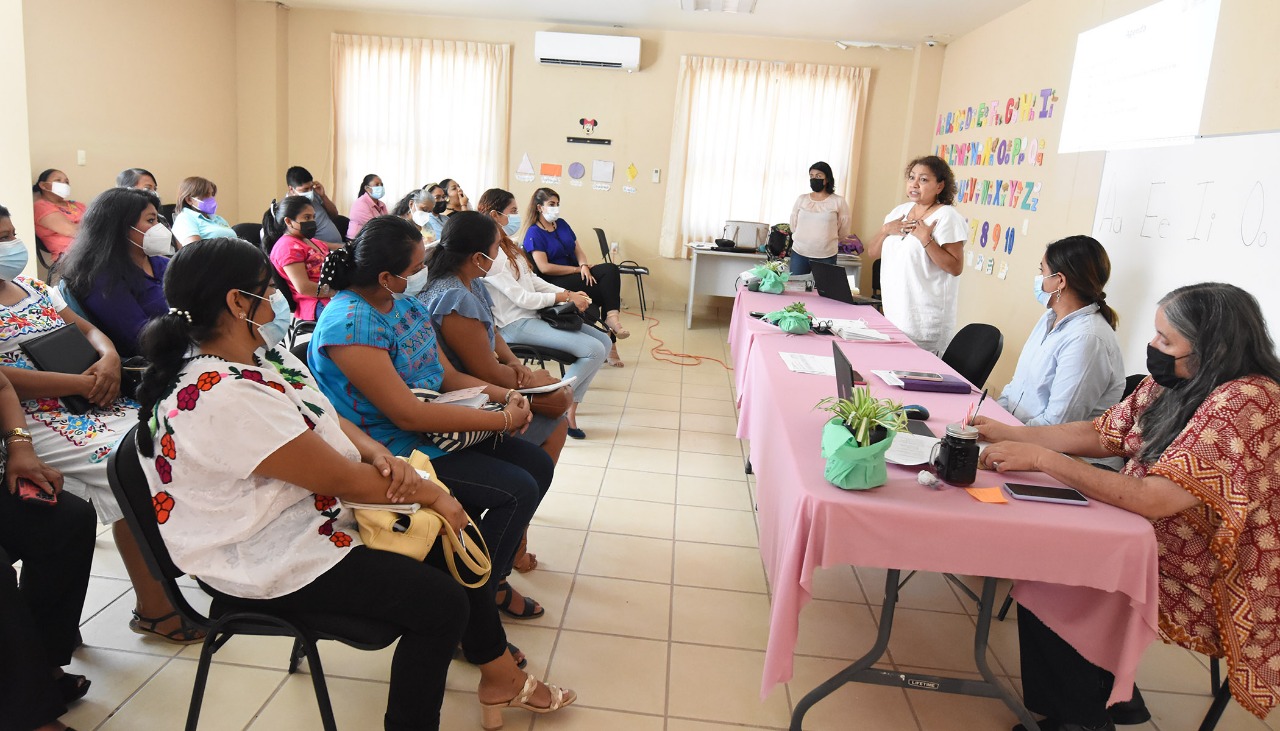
(886, 21)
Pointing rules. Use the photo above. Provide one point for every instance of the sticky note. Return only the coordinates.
(986, 494)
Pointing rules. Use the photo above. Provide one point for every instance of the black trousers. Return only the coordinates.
(1056, 680)
(40, 616)
(606, 292)
(434, 611)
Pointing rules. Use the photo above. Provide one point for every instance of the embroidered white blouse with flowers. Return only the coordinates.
(243, 534)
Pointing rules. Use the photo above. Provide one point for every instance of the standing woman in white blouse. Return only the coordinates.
(818, 220)
(921, 247)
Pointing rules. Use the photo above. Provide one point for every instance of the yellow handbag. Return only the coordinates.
(412, 530)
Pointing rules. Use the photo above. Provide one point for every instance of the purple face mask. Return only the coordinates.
(207, 206)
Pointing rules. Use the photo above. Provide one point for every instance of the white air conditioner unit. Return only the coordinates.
(581, 49)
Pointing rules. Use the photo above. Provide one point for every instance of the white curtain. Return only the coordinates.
(415, 111)
(744, 136)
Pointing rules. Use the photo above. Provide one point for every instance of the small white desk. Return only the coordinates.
(715, 272)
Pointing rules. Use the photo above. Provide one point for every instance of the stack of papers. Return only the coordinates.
(856, 330)
(817, 365)
(549, 387)
(910, 449)
(473, 397)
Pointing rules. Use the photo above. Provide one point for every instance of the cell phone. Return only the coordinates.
(918, 375)
(32, 494)
(1045, 494)
(757, 315)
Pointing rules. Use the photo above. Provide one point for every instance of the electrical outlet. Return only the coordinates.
(657, 175)
(79, 157)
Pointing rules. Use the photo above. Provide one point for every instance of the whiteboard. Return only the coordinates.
(1169, 216)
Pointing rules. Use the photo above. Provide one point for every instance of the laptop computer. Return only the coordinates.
(832, 282)
(846, 376)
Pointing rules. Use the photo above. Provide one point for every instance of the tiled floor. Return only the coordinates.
(657, 606)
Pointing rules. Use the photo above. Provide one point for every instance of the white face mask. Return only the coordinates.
(156, 241)
(413, 284)
(13, 259)
(62, 190)
(551, 213)
(309, 195)
(377, 191)
(421, 218)
(274, 332)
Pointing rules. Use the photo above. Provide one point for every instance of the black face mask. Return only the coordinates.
(817, 185)
(307, 229)
(1160, 366)
(440, 206)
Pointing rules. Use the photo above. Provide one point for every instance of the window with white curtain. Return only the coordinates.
(415, 111)
(744, 136)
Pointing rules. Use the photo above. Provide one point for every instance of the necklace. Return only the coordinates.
(922, 216)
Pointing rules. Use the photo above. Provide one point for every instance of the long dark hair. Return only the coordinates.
(385, 244)
(367, 179)
(464, 234)
(942, 171)
(1086, 267)
(497, 199)
(825, 169)
(36, 189)
(1229, 340)
(273, 223)
(100, 254)
(195, 286)
(540, 196)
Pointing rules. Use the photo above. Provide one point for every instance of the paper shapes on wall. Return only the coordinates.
(551, 173)
(588, 124)
(602, 171)
(628, 189)
(577, 170)
(980, 262)
(632, 172)
(524, 172)
(991, 265)
(1004, 270)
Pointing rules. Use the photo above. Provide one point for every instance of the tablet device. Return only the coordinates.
(832, 281)
(1045, 494)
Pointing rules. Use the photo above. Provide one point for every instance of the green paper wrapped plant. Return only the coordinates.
(863, 413)
(794, 318)
(773, 276)
(855, 441)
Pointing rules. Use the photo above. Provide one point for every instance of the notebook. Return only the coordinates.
(65, 350)
(948, 384)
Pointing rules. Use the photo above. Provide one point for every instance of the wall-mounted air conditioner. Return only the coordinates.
(581, 49)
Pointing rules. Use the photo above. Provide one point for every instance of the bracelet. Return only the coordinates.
(510, 393)
(506, 422)
(11, 440)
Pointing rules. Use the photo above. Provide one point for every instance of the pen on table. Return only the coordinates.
(981, 398)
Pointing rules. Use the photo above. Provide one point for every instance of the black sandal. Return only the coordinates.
(72, 687)
(185, 634)
(532, 610)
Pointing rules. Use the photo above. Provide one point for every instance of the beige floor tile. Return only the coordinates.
(586, 453)
(684, 724)
(723, 618)
(627, 557)
(654, 402)
(853, 705)
(619, 607)
(548, 587)
(102, 592)
(116, 675)
(577, 479)
(356, 705)
(606, 397)
(707, 492)
(649, 387)
(232, 698)
(711, 424)
(706, 391)
(613, 379)
(1002, 646)
(719, 567)
(1172, 668)
(599, 414)
(634, 485)
(713, 525)
(558, 549)
(109, 628)
(721, 684)
(106, 559)
(565, 510)
(597, 433)
(634, 416)
(710, 374)
(579, 718)
(948, 712)
(656, 373)
(712, 407)
(1178, 712)
(925, 590)
(345, 661)
(708, 443)
(717, 466)
(271, 653)
(836, 629)
(644, 459)
(634, 517)
(931, 639)
(615, 673)
(536, 643)
(837, 583)
(646, 436)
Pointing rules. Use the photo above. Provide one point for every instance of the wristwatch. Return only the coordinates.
(18, 433)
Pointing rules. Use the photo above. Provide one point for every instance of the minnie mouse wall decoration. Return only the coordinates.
(588, 125)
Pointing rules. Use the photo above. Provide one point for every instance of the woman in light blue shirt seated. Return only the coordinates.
(197, 215)
(1070, 368)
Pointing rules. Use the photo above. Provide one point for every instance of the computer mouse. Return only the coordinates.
(916, 411)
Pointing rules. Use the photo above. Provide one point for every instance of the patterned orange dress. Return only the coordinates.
(1219, 561)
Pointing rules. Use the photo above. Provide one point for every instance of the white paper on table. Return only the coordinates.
(910, 449)
(854, 330)
(817, 365)
(888, 378)
(602, 171)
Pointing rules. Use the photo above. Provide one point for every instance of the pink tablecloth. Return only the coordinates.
(1088, 572)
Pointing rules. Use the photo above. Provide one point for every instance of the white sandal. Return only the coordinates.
(491, 713)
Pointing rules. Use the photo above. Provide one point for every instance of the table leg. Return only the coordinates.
(693, 287)
(862, 672)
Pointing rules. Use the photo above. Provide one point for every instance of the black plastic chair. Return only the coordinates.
(343, 223)
(626, 266)
(540, 355)
(973, 352)
(45, 259)
(251, 232)
(129, 485)
(1131, 384)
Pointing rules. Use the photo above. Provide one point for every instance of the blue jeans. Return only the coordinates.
(800, 262)
(588, 345)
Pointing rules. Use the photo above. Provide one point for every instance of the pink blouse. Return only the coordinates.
(362, 210)
(55, 242)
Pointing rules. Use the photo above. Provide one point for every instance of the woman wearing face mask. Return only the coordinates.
(433, 209)
(518, 294)
(252, 458)
(560, 260)
(818, 220)
(368, 204)
(197, 217)
(922, 249)
(76, 444)
(298, 256)
(116, 268)
(1199, 438)
(142, 179)
(57, 216)
(1070, 369)
(374, 342)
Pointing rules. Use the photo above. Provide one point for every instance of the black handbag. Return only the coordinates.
(563, 316)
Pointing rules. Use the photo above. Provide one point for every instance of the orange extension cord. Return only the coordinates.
(660, 351)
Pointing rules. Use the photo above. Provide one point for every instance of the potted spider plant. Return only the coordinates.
(856, 438)
(794, 318)
(773, 275)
